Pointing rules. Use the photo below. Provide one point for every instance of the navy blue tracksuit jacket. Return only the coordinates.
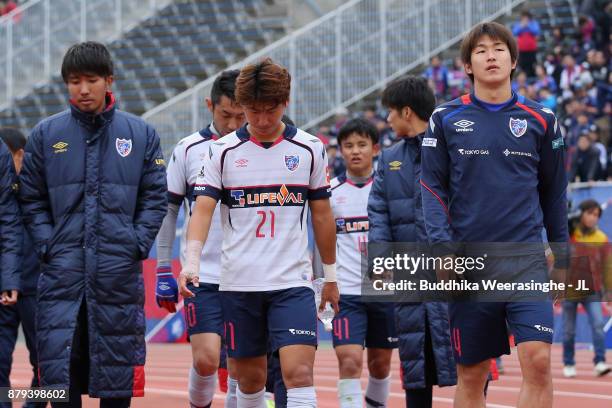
(493, 176)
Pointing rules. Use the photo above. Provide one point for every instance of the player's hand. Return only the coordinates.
(166, 291)
(9, 297)
(330, 294)
(186, 276)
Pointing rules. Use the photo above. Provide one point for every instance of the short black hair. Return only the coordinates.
(88, 57)
(410, 91)
(361, 127)
(287, 121)
(588, 205)
(13, 139)
(224, 85)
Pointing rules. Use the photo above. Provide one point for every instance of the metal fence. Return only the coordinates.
(35, 36)
(343, 56)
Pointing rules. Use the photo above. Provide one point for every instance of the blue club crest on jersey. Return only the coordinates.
(518, 127)
(124, 147)
(292, 162)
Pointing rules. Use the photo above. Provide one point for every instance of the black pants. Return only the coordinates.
(79, 369)
(423, 397)
(527, 61)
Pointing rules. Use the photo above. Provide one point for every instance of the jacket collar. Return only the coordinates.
(95, 121)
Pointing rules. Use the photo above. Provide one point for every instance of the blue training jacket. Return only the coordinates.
(11, 230)
(93, 195)
(493, 176)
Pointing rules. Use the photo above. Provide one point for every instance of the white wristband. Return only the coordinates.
(329, 272)
(193, 252)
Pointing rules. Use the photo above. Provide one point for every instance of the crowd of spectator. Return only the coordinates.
(569, 72)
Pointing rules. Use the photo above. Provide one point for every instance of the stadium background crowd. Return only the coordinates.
(571, 75)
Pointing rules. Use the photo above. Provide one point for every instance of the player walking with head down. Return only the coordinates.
(492, 171)
(265, 174)
(203, 311)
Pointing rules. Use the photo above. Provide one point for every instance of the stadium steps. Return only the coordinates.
(183, 44)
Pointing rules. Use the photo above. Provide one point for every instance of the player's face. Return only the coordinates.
(396, 120)
(358, 151)
(88, 91)
(228, 116)
(491, 62)
(265, 119)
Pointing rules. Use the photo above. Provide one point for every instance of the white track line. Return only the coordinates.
(157, 328)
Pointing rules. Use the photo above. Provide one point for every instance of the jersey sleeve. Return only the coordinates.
(552, 185)
(319, 177)
(177, 178)
(208, 182)
(435, 162)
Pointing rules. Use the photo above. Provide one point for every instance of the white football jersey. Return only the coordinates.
(264, 193)
(349, 204)
(183, 170)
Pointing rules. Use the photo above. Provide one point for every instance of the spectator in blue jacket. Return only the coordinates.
(395, 214)
(93, 196)
(11, 235)
(24, 311)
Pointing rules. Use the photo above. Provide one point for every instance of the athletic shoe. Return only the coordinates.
(569, 371)
(602, 369)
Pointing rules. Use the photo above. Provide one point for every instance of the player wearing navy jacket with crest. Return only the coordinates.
(265, 174)
(492, 171)
(203, 312)
(93, 196)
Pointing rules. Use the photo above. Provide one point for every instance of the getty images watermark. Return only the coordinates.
(491, 272)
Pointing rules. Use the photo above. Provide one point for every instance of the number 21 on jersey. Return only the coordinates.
(266, 224)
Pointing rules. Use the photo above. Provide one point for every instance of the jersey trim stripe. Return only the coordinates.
(437, 197)
(465, 99)
(453, 113)
(534, 114)
(175, 198)
(206, 190)
(225, 152)
(341, 184)
(264, 186)
(370, 180)
(274, 143)
(194, 144)
(319, 194)
(309, 151)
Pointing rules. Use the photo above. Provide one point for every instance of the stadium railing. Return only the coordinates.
(34, 36)
(343, 56)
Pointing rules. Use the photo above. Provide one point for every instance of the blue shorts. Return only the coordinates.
(478, 329)
(282, 317)
(365, 323)
(203, 312)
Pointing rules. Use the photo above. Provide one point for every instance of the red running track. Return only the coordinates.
(168, 364)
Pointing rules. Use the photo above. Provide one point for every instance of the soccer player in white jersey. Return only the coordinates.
(359, 323)
(265, 174)
(203, 311)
